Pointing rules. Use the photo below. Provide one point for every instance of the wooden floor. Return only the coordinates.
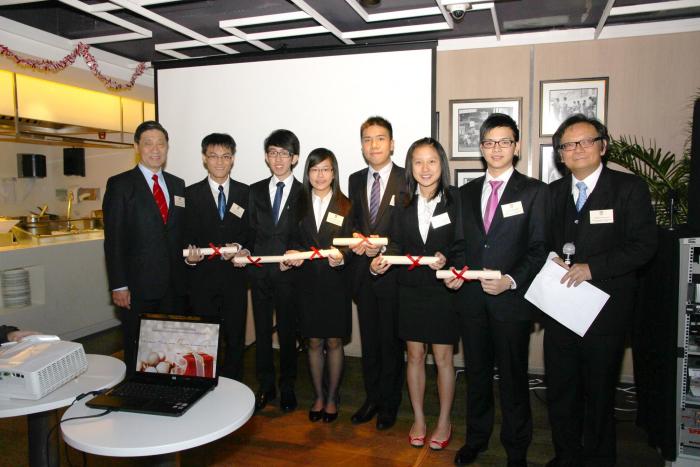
(272, 438)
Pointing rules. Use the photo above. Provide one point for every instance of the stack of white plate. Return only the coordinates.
(16, 291)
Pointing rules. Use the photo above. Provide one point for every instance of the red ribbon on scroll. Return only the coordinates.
(217, 251)
(415, 261)
(460, 274)
(315, 253)
(254, 262)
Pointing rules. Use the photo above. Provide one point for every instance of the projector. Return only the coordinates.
(34, 368)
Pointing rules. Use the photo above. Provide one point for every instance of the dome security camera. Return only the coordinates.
(458, 10)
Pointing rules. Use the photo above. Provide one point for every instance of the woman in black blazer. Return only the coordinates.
(323, 213)
(426, 224)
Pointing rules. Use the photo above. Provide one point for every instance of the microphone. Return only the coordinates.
(569, 249)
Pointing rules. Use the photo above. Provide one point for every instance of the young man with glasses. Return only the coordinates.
(608, 217)
(504, 218)
(217, 214)
(272, 206)
(374, 192)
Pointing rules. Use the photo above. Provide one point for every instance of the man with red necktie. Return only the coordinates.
(143, 222)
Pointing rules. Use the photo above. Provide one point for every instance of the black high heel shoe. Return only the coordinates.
(329, 417)
(316, 415)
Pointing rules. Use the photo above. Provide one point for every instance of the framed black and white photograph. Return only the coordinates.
(463, 176)
(550, 169)
(561, 99)
(466, 117)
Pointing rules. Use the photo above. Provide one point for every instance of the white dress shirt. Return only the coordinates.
(285, 191)
(384, 174)
(148, 173)
(426, 208)
(591, 181)
(486, 190)
(320, 206)
(214, 186)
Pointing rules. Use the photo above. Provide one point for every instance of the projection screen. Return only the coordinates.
(323, 97)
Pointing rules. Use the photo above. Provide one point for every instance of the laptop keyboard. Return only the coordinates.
(163, 393)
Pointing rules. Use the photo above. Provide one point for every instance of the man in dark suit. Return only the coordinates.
(374, 192)
(504, 217)
(144, 211)
(271, 207)
(608, 217)
(217, 214)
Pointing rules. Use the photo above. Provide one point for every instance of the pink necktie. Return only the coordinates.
(492, 204)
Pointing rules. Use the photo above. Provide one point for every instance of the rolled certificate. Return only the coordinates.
(468, 274)
(210, 251)
(353, 241)
(303, 255)
(409, 260)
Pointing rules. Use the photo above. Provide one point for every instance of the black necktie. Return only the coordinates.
(278, 201)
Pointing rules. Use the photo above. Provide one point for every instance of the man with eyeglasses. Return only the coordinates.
(217, 214)
(608, 217)
(272, 204)
(144, 213)
(504, 218)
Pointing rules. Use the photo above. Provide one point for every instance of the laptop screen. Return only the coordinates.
(185, 346)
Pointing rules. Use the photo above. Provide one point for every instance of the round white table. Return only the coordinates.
(126, 434)
(102, 372)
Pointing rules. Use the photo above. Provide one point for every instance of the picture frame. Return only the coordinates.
(466, 117)
(464, 176)
(550, 170)
(559, 99)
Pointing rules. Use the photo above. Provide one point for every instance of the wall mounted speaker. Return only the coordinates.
(31, 165)
(74, 161)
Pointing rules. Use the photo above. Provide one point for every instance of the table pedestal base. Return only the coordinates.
(39, 425)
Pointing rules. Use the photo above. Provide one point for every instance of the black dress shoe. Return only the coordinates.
(315, 415)
(288, 401)
(262, 398)
(466, 455)
(329, 417)
(386, 420)
(364, 414)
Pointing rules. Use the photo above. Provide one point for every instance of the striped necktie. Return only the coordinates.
(374, 198)
(160, 199)
(222, 203)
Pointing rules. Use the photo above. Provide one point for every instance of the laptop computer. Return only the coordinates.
(176, 364)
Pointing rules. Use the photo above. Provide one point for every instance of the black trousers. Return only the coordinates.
(272, 294)
(170, 303)
(231, 305)
(382, 351)
(581, 375)
(505, 344)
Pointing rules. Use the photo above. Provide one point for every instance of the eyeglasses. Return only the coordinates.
(274, 154)
(220, 157)
(502, 143)
(584, 143)
(321, 170)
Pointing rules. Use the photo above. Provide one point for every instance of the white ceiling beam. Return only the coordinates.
(112, 38)
(652, 7)
(174, 54)
(496, 27)
(296, 32)
(603, 18)
(320, 19)
(85, 8)
(396, 30)
(265, 19)
(107, 6)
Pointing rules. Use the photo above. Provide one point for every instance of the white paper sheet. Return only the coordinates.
(574, 307)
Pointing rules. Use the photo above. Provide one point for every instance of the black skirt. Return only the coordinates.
(427, 314)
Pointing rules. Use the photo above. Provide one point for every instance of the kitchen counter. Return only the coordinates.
(69, 291)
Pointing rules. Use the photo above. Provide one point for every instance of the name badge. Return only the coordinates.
(393, 198)
(512, 209)
(603, 216)
(236, 210)
(335, 219)
(179, 201)
(440, 220)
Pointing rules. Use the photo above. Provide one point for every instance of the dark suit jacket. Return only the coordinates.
(515, 245)
(266, 238)
(203, 226)
(322, 286)
(141, 252)
(360, 275)
(613, 251)
(405, 238)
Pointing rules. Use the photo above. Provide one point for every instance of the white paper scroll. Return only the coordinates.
(210, 251)
(468, 274)
(406, 261)
(353, 241)
(303, 255)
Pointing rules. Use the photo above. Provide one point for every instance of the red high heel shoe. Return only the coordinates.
(437, 445)
(417, 441)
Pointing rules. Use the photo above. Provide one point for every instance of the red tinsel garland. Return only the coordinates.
(82, 50)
